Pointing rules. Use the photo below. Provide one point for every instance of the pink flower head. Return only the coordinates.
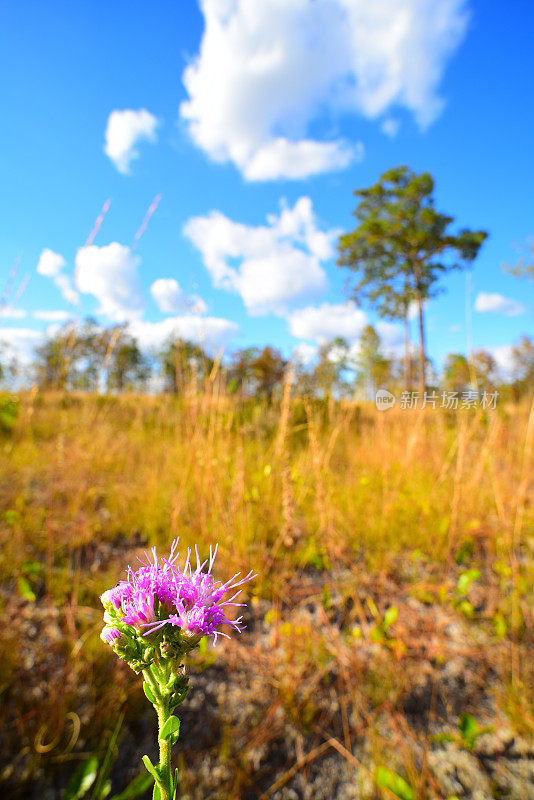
(160, 594)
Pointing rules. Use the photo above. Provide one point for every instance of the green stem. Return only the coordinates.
(164, 766)
(157, 678)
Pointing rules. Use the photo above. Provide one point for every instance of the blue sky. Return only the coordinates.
(252, 123)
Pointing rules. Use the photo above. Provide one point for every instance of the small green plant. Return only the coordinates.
(387, 779)
(88, 776)
(91, 779)
(463, 585)
(469, 732)
(380, 632)
(465, 552)
(27, 580)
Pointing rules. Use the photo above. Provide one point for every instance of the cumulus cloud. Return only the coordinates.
(51, 265)
(210, 332)
(328, 321)
(267, 71)
(11, 312)
(281, 158)
(124, 130)
(53, 316)
(499, 304)
(170, 298)
(64, 284)
(503, 355)
(110, 274)
(20, 342)
(271, 266)
(321, 324)
(305, 353)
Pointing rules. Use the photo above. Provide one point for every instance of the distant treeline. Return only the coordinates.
(92, 358)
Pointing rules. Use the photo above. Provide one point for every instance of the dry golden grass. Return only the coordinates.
(79, 468)
(299, 485)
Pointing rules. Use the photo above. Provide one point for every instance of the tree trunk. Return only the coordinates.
(407, 354)
(422, 349)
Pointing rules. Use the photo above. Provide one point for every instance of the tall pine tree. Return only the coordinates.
(401, 247)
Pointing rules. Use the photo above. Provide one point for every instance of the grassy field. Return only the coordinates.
(388, 546)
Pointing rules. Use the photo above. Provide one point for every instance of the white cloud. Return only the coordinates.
(210, 332)
(277, 264)
(281, 158)
(11, 312)
(53, 316)
(167, 294)
(125, 129)
(170, 298)
(413, 309)
(391, 336)
(503, 355)
(110, 274)
(267, 70)
(20, 342)
(327, 321)
(51, 265)
(64, 284)
(53, 330)
(305, 353)
(499, 304)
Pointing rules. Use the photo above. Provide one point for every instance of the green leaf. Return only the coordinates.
(465, 552)
(466, 579)
(170, 727)
(499, 625)
(466, 608)
(377, 635)
(107, 761)
(149, 693)
(391, 616)
(372, 607)
(106, 789)
(32, 567)
(82, 780)
(11, 516)
(156, 794)
(135, 788)
(25, 590)
(469, 730)
(150, 767)
(387, 779)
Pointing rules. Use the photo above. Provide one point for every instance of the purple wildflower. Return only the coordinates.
(159, 593)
